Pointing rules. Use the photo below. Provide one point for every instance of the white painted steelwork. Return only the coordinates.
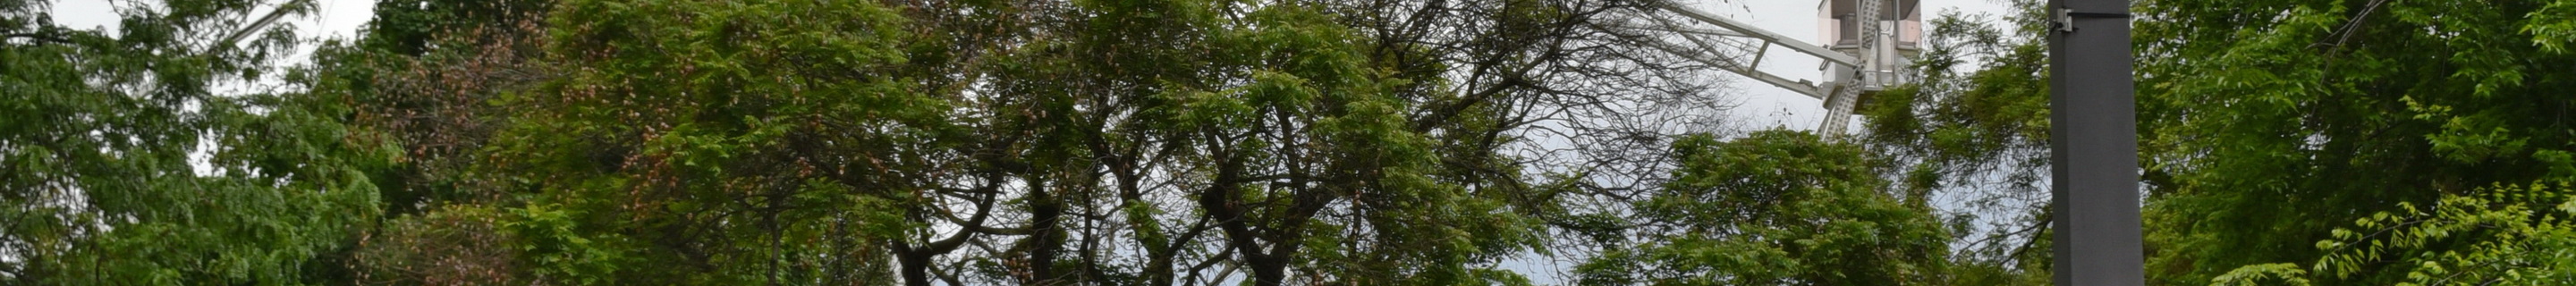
(1861, 57)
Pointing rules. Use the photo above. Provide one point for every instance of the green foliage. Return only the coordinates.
(456, 245)
(759, 143)
(1777, 207)
(414, 27)
(2507, 235)
(1973, 135)
(124, 163)
(680, 137)
(2268, 121)
(2285, 273)
(1182, 142)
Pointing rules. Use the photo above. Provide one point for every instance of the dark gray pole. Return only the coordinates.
(2093, 143)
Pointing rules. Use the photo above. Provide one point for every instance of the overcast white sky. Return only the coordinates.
(1763, 106)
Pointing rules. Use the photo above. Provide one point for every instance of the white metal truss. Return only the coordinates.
(1849, 73)
(1838, 109)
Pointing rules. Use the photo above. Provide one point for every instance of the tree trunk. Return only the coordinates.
(1268, 271)
(916, 266)
(1044, 237)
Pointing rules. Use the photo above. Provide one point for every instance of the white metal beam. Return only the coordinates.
(1765, 36)
(1810, 90)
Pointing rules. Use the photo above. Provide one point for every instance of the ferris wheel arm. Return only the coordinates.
(1747, 30)
(1801, 87)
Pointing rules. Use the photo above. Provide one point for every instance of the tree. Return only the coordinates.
(1777, 208)
(1131, 142)
(733, 143)
(1972, 136)
(2271, 123)
(126, 163)
(423, 76)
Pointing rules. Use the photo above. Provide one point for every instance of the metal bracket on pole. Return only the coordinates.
(2064, 19)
